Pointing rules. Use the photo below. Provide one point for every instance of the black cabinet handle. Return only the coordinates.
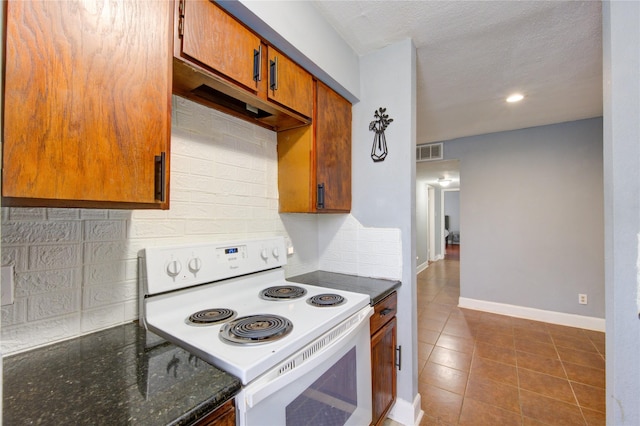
(273, 71)
(160, 176)
(385, 312)
(320, 202)
(257, 61)
(399, 357)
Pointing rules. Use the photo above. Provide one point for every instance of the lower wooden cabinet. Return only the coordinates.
(225, 415)
(383, 358)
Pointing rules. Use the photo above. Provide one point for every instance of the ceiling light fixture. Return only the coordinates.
(516, 97)
(444, 182)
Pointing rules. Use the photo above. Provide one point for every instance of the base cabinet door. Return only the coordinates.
(223, 416)
(383, 371)
(87, 104)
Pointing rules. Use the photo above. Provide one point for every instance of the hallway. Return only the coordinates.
(479, 368)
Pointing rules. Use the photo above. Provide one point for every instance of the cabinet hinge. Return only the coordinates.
(181, 18)
(399, 357)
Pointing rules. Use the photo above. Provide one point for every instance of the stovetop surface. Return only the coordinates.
(167, 315)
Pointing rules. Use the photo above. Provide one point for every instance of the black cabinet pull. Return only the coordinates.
(399, 357)
(385, 312)
(273, 74)
(320, 202)
(257, 61)
(160, 176)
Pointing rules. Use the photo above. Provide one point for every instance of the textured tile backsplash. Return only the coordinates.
(76, 269)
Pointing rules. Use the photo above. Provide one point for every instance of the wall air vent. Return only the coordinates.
(429, 152)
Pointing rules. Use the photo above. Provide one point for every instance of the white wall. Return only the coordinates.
(452, 209)
(621, 55)
(439, 221)
(422, 225)
(531, 207)
(384, 192)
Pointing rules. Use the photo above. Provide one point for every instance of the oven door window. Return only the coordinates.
(331, 399)
(331, 388)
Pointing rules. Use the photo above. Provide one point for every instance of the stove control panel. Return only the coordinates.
(175, 267)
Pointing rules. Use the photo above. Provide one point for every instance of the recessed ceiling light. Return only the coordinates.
(516, 97)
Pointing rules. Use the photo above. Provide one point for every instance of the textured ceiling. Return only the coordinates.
(472, 54)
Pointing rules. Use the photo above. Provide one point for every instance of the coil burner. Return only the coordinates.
(211, 316)
(326, 300)
(255, 329)
(282, 292)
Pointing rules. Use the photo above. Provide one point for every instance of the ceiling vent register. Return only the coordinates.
(429, 152)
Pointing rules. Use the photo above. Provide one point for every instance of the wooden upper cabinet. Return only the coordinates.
(87, 103)
(221, 63)
(333, 149)
(289, 84)
(314, 162)
(218, 41)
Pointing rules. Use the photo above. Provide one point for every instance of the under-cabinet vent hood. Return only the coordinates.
(199, 85)
(212, 95)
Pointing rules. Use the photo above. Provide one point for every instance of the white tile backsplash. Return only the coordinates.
(76, 269)
(352, 248)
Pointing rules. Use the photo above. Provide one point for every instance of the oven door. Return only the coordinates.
(327, 383)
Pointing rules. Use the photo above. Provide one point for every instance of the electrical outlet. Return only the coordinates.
(582, 299)
(289, 245)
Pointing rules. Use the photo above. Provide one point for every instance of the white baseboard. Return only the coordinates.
(407, 413)
(438, 257)
(561, 318)
(422, 267)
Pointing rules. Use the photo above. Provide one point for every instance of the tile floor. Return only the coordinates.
(478, 368)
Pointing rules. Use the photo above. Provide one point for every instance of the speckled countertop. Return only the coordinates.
(119, 376)
(377, 289)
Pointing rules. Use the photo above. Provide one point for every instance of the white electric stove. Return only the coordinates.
(229, 303)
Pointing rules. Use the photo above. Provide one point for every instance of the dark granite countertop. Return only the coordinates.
(120, 376)
(376, 288)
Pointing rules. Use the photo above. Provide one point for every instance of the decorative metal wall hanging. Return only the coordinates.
(382, 120)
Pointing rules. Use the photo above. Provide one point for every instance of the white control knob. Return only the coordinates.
(195, 265)
(263, 254)
(173, 268)
(275, 252)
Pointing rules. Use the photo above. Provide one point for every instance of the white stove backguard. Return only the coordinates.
(171, 268)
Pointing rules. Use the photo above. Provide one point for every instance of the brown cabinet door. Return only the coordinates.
(315, 155)
(333, 149)
(289, 84)
(217, 40)
(383, 371)
(87, 103)
(296, 182)
(225, 415)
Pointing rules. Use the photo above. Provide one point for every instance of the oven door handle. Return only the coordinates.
(302, 363)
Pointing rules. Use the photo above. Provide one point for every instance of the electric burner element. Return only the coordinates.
(254, 329)
(283, 292)
(326, 299)
(211, 316)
